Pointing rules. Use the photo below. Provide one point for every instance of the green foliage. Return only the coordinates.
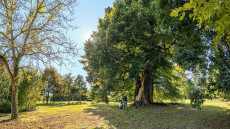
(5, 106)
(29, 91)
(133, 37)
(212, 14)
(53, 82)
(4, 84)
(196, 98)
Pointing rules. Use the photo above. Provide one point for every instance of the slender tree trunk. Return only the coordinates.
(69, 97)
(47, 98)
(106, 97)
(80, 96)
(53, 98)
(144, 94)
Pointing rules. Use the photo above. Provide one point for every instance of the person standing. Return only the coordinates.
(124, 100)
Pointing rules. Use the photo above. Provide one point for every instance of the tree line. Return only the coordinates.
(46, 86)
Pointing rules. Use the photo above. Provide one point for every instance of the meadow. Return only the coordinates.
(96, 115)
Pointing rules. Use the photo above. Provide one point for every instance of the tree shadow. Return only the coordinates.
(61, 104)
(156, 116)
(3, 114)
(119, 118)
(5, 121)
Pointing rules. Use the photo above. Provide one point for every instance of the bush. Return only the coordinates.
(5, 106)
(196, 99)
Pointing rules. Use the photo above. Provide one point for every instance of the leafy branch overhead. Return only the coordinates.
(213, 14)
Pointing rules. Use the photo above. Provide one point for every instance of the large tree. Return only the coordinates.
(135, 43)
(33, 29)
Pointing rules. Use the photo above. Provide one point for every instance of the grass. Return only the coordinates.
(214, 114)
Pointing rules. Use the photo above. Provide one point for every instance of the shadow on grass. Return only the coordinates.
(3, 114)
(60, 104)
(155, 116)
(5, 121)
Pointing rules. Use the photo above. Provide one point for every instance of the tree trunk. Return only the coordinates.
(80, 96)
(138, 85)
(47, 98)
(53, 98)
(144, 94)
(14, 98)
(14, 102)
(69, 98)
(106, 99)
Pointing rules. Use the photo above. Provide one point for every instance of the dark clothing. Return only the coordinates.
(124, 98)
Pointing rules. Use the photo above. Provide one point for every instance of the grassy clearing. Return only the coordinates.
(214, 114)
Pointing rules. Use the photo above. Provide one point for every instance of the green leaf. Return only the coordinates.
(174, 13)
(182, 16)
(188, 6)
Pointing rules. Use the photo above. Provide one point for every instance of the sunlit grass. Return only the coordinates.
(214, 114)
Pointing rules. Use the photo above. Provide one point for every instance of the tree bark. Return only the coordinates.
(138, 85)
(144, 93)
(14, 102)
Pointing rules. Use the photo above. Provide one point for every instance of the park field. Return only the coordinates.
(214, 114)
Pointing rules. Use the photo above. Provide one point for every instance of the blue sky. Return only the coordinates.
(87, 14)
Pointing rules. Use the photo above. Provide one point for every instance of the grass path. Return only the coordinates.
(214, 114)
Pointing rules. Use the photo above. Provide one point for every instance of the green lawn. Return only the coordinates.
(214, 114)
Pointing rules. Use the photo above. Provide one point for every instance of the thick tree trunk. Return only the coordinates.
(144, 93)
(138, 85)
(14, 99)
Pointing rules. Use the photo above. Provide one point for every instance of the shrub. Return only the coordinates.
(5, 106)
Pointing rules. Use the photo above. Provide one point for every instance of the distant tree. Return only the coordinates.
(68, 83)
(80, 85)
(34, 30)
(54, 81)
